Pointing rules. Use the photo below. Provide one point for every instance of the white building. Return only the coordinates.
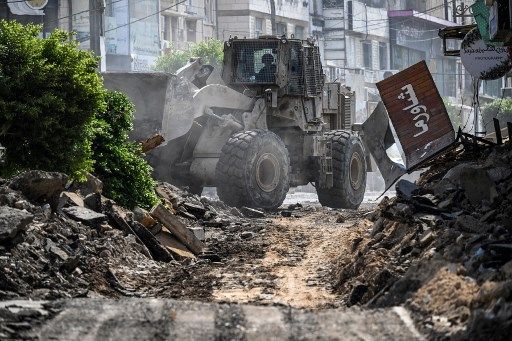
(188, 22)
(251, 18)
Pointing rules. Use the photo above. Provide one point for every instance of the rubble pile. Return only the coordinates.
(61, 239)
(442, 246)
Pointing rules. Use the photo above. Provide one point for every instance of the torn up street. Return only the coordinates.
(168, 172)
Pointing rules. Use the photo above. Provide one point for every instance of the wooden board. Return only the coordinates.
(173, 245)
(177, 228)
(417, 113)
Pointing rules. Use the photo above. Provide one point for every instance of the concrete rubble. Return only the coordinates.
(442, 247)
(61, 239)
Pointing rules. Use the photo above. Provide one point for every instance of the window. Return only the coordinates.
(208, 10)
(167, 28)
(255, 62)
(174, 30)
(299, 32)
(258, 27)
(191, 31)
(367, 54)
(383, 56)
(281, 29)
(333, 3)
(404, 57)
(492, 87)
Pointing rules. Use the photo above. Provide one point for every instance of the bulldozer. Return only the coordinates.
(265, 122)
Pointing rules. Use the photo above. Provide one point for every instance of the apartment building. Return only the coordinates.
(187, 22)
(251, 18)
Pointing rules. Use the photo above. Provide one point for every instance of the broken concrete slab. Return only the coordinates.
(85, 215)
(93, 201)
(143, 217)
(177, 228)
(70, 199)
(251, 212)
(405, 188)
(91, 185)
(197, 211)
(39, 186)
(174, 246)
(13, 221)
(198, 232)
(52, 248)
(475, 182)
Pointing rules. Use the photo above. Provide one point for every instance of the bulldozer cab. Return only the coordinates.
(291, 65)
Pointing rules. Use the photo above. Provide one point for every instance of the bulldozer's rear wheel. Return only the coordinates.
(349, 172)
(253, 170)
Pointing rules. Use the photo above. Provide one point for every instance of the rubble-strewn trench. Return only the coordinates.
(442, 248)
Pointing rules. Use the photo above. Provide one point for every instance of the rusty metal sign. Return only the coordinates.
(417, 113)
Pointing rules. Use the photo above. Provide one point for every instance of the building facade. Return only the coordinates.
(187, 22)
(252, 18)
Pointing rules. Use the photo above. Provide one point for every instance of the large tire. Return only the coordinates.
(349, 172)
(253, 170)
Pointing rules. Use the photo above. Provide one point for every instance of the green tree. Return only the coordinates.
(118, 161)
(211, 51)
(500, 109)
(49, 93)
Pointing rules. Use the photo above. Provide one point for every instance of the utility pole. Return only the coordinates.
(96, 24)
(273, 16)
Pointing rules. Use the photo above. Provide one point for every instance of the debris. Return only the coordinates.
(70, 199)
(158, 252)
(251, 212)
(198, 211)
(85, 215)
(152, 142)
(286, 214)
(93, 201)
(177, 228)
(173, 245)
(39, 186)
(405, 188)
(247, 235)
(198, 232)
(91, 185)
(475, 182)
(13, 221)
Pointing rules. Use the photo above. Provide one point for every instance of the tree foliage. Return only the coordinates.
(500, 109)
(49, 93)
(118, 161)
(55, 115)
(211, 51)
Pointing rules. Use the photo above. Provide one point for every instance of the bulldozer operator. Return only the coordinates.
(267, 73)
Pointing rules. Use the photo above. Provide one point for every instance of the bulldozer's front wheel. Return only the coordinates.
(253, 170)
(349, 172)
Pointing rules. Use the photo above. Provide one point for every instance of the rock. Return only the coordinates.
(144, 218)
(499, 174)
(486, 217)
(341, 219)
(442, 186)
(405, 188)
(427, 237)
(235, 212)
(198, 232)
(475, 182)
(247, 235)
(251, 212)
(39, 186)
(85, 215)
(197, 210)
(357, 294)
(469, 224)
(286, 214)
(93, 201)
(377, 227)
(13, 221)
(70, 199)
(91, 185)
(296, 206)
(52, 248)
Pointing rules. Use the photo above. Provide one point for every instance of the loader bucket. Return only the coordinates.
(379, 141)
(148, 93)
